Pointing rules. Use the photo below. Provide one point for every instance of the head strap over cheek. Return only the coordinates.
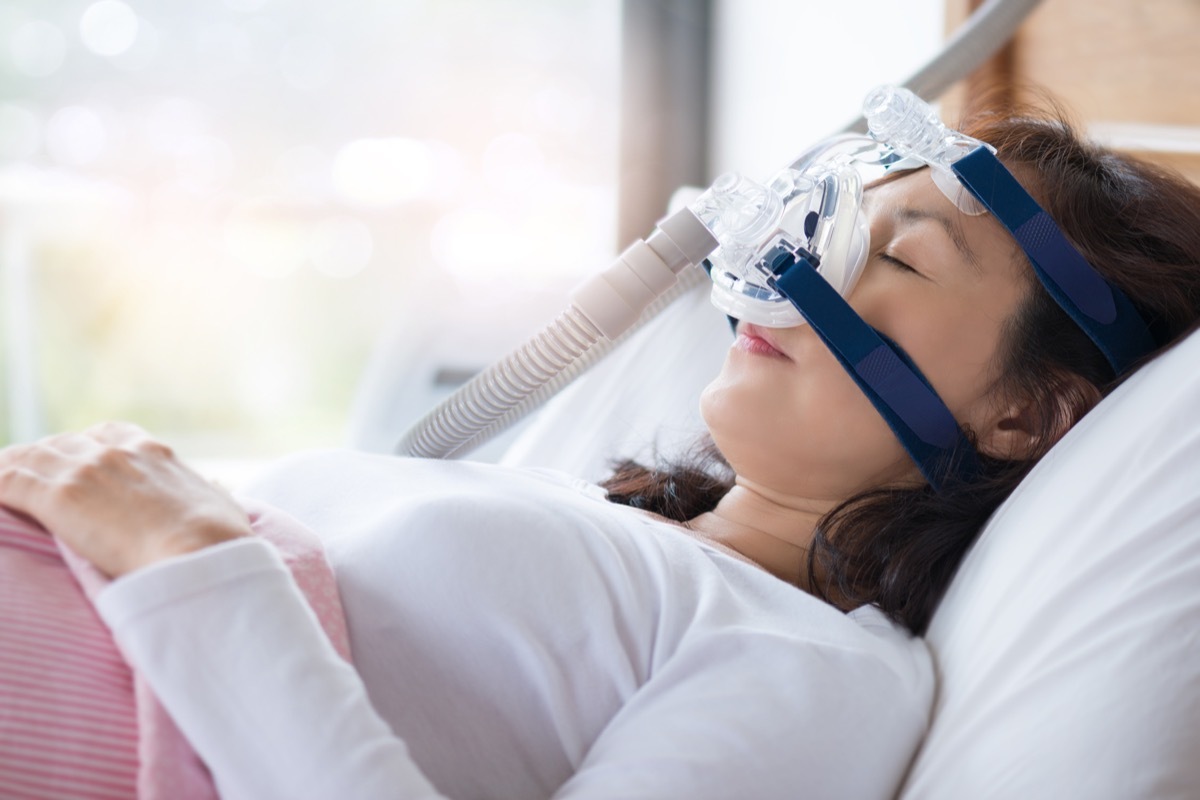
(1100, 309)
(884, 372)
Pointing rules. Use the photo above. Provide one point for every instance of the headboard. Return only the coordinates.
(1130, 71)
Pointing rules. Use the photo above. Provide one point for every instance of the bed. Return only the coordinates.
(1068, 646)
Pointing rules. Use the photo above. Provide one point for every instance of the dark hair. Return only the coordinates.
(898, 548)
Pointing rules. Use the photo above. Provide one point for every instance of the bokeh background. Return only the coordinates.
(210, 212)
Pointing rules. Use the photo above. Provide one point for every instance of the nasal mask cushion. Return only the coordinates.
(817, 210)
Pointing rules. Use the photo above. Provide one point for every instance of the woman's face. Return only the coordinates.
(938, 282)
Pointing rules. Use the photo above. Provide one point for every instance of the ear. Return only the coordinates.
(1026, 427)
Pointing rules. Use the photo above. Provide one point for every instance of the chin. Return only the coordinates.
(723, 409)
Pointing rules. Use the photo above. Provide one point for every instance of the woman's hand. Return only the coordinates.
(119, 498)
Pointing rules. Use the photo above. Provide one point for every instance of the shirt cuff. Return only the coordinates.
(179, 577)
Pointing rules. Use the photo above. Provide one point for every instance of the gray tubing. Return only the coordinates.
(987, 30)
(522, 381)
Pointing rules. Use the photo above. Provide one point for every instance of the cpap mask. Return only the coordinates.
(791, 251)
(815, 205)
(788, 252)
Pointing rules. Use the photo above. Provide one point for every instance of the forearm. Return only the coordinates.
(239, 661)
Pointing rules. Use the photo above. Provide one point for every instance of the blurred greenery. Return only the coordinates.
(198, 267)
(151, 353)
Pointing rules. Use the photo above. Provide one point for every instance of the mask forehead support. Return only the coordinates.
(1100, 309)
(908, 124)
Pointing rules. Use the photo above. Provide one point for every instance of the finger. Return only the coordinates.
(13, 454)
(45, 453)
(35, 458)
(67, 458)
(55, 456)
(71, 444)
(120, 434)
(21, 489)
(130, 438)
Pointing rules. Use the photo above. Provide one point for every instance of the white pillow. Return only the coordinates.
(639, 402)
(1068, 645)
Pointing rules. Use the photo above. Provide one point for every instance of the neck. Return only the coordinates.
(774, 531)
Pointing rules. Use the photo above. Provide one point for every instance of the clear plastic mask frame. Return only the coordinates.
(813, 205)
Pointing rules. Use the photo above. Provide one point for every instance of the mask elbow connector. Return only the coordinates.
(682, 240)
(614, 299)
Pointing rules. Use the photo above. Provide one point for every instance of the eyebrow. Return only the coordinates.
(952, 230)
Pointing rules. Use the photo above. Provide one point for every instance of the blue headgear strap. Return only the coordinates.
(888, 377)
(1103, 312)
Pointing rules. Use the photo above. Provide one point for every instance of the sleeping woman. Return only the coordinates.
(738, 626)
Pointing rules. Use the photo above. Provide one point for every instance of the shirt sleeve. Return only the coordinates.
(239, 661)
(235, 655)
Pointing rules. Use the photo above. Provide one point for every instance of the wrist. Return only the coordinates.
(185, 540)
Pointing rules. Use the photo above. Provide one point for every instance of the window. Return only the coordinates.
(212, 210)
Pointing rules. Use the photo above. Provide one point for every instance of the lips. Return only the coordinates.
(758, 341)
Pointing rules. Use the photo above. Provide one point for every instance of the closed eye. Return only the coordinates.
(897, 263)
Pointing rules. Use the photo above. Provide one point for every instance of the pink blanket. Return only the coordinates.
(75, 720)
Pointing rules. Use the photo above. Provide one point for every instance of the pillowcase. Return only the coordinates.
(640, 402)
(1068, 644)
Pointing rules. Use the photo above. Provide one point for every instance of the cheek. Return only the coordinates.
(953, 339)
(801, 427)
(958, 355)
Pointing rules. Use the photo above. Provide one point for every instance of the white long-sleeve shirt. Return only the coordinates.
(514, 636)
